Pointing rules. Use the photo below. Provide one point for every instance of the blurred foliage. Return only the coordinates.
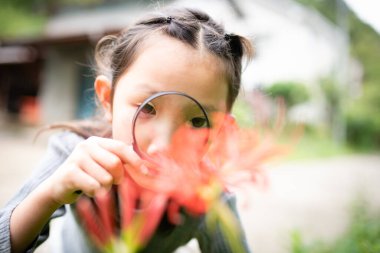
(292, 93)
(16, 21)
(23, 18)
(362, 235)
(313, 143)
(304, 141)
(363, 119)
(363, 114)
(243, 113)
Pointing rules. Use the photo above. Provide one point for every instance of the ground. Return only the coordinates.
(312, 196)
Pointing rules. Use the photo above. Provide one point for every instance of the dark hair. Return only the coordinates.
(115, 53)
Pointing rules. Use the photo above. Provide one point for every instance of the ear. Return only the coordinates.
(103, 88)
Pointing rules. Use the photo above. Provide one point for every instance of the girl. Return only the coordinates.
(177, 50)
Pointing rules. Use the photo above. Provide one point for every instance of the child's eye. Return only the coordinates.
(148, 109)
(198, 122)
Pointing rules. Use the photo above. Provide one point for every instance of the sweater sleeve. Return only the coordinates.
(212, 240)
(59, 147)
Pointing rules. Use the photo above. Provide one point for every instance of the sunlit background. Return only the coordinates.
(317, 56)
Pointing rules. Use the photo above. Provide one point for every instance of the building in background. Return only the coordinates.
(54, 74)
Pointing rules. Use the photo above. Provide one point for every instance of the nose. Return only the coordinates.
(161, 139)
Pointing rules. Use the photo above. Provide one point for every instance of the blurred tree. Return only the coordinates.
(293, 93)
(363, 121)
(21, 18)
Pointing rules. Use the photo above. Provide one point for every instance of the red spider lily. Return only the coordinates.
(191, 174)
(195, 180)
(140, 213)
(97, 216)
(238, 155)
(179, 173)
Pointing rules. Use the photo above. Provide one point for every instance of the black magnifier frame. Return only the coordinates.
(149, 99)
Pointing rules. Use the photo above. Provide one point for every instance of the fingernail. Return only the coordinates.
(144, 170)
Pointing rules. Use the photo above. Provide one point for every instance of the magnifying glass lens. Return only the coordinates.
(170, 123)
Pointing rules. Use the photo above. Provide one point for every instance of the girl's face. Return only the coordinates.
(163, 64)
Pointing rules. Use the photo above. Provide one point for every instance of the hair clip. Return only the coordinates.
(169, 19)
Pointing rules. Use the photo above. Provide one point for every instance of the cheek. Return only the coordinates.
(122, 124)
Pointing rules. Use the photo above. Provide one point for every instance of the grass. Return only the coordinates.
(362, 236)
(317, 145)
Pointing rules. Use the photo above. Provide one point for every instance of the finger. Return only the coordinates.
(85, 183)
(108, 161)
(93, 169)
(123, 151)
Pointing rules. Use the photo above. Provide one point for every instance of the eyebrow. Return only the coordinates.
(146, 88)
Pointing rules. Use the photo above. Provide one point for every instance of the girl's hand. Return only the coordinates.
(95, 164)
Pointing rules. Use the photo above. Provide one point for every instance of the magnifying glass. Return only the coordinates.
(175, 119)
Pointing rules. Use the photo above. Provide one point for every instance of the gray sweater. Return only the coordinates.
(74, 240)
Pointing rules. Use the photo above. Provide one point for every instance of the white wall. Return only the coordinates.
(59, 86)
(292, 42)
